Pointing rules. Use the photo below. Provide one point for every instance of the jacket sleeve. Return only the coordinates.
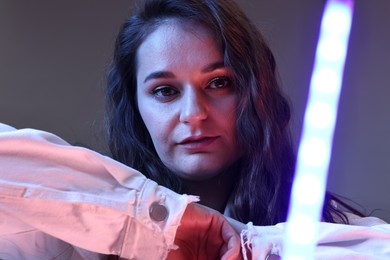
(365, 238)
(84, 198)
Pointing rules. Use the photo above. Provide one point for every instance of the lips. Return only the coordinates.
(198, 142)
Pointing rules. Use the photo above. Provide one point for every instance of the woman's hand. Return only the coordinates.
(205, 234)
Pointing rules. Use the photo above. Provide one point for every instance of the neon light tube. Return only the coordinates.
(314, 152)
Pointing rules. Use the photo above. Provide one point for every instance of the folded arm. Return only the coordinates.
(83, 198)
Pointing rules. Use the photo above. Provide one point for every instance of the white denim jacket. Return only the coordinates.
(63, 202)
(56, 199)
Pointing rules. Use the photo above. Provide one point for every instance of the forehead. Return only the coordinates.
(177, 43)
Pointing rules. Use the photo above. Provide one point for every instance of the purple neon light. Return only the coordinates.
(317, 133)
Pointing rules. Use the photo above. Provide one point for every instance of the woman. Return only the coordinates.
(254, 180)
(192, 103)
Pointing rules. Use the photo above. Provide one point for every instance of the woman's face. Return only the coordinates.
(187, 100)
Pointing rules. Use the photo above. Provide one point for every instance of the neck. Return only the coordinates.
(215, 192)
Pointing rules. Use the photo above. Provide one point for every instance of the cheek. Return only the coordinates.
(157, 124)
(230, 124)
(228, 119)
(227, 114)
(148, 114)
(150, 120)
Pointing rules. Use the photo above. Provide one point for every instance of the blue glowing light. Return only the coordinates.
(314, 151)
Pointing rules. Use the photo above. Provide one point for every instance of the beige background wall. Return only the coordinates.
(53, 56)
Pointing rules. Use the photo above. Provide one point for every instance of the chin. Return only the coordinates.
(199, 174)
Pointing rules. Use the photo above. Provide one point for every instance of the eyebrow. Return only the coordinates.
(168, 74)
(213, 66)
(159, 74)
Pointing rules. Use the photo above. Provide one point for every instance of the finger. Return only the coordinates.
(232, 246)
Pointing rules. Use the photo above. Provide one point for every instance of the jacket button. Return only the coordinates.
(273, 257)
(158, 212)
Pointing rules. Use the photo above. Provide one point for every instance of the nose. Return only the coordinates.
(194, 107)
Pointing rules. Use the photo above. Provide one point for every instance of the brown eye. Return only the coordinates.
(164, 91)
(220, 82)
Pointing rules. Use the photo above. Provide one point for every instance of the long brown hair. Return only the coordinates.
(262, 191)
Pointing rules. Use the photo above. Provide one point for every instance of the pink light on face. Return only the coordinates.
(314, 151)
